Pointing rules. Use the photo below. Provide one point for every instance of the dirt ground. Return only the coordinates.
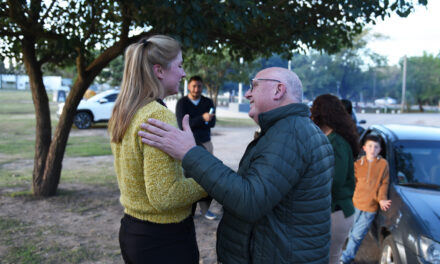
(80, 224)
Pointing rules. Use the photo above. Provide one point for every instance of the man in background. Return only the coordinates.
(201, 119)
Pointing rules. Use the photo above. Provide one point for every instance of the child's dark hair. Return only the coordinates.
(374, 138)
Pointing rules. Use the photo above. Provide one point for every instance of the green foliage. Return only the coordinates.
(61, 32)
(112, 74)
(248, 28)
(423, 79)
(216, 68)
(357, 73)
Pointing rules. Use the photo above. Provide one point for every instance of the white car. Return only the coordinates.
(385, 101)
(94, 110)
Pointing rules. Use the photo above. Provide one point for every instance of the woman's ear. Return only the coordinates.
(158, 71)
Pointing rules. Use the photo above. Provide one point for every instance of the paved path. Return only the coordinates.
(410, 119)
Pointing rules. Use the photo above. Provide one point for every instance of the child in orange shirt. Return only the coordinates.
(372, 178)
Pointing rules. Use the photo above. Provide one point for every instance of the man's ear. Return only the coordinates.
(280, 91)
(158, 71)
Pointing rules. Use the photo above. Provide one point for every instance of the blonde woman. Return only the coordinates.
(157, 226)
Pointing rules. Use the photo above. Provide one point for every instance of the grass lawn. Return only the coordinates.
(80, 223)
(17, 143)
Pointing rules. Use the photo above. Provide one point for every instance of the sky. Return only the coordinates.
(409, 36)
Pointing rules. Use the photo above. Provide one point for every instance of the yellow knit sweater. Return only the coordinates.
(151, 182)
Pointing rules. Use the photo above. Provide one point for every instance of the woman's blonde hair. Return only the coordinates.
(139, 84)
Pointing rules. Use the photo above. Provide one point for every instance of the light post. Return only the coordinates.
(402, 105)
(240, 86)
(185, 87)
(338, 83)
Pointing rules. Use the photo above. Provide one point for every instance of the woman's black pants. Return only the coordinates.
(146, 242)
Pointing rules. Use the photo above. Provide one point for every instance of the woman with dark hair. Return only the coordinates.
(329, 114)
(157, 226)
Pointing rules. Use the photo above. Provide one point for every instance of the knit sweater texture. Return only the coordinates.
(151, 182)
(372, 180)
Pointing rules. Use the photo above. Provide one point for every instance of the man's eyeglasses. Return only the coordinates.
(269, 80)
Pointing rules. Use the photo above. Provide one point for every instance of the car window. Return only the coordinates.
(418, 161)
(111, 97)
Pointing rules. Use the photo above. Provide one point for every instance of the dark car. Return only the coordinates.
(409, 232)
(359, 128)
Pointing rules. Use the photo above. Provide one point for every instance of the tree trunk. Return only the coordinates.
(420, 102)
(43, 131)
(215, 95)
(49, 152)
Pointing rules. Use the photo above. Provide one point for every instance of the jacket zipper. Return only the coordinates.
(368, 174)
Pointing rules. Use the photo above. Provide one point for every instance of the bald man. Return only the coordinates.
(277, 205)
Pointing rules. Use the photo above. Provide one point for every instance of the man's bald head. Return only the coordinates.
(289, 78)
(272, 88)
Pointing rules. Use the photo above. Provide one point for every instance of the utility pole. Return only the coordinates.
(240, 86)
(374, 84)
(402, 105)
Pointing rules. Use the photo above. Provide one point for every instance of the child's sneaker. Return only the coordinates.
(210, 216)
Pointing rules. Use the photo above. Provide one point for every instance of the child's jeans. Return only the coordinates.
(361, 225)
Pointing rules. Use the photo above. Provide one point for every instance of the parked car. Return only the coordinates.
(94, 110)
(358, 123)
(409, 232)
(385, 101)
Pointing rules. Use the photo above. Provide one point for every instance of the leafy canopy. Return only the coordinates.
(248, 28)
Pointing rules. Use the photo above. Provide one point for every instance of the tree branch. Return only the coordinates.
(44, 16)
(9, 33)
(92, 27)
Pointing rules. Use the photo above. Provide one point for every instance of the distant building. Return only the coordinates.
(21, 82)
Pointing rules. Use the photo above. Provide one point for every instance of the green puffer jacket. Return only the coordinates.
(277, 206)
